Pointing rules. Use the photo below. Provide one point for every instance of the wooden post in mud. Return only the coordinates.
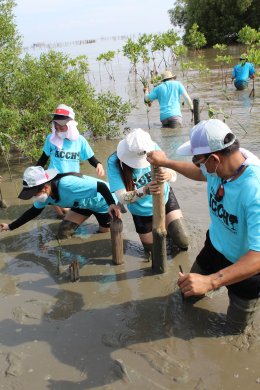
(159, 255)
(116, 229)
(196, 110)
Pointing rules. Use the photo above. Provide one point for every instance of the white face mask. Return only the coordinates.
(62, 134)
(40, 198)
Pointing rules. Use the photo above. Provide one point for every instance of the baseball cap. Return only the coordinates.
(133, 149)
(206, 137)
(33, 177)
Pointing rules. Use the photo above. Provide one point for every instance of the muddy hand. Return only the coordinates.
(156, 157)
(162, 175)
(194, 284)
(100, 170)
(154, 188)
(114, 210)
(4, 227)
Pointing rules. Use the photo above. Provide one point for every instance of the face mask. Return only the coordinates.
(41, 198)
(62, 134)
(205, 172)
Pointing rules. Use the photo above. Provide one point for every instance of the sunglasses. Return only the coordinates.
(196, 161)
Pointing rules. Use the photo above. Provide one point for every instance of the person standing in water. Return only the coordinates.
(242, 72)
(65, 148)
(231, 253)
(169, 93)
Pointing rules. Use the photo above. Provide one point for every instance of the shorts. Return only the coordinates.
(173, 122)
(211, 261)
(103, 219)
(144, 224)
(241, 84)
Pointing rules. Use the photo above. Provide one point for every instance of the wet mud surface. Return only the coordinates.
(120, 327)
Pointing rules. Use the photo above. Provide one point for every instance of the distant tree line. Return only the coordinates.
(218, 20)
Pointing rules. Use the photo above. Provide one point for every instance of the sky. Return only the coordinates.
(68, 20)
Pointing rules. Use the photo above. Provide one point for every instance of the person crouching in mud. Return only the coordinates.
(84, 195)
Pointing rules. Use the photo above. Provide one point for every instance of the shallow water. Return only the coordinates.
(120, 327)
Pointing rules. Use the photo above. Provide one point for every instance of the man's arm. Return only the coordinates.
(196, 284)
(187, 169)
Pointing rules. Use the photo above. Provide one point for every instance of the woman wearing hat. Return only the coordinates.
(169, 93)
(129, 175)
(65, 147)
(84, 195)
(242, 72)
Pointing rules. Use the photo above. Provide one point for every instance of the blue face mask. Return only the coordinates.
(205, 172)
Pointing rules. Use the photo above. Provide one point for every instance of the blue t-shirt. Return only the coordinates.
(242, 73)
(142, 206)
(79, 192)
(168, 94)
(68, 158)
(235, 221)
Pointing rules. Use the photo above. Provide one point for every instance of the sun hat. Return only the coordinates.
(167, 75)
(132, 150)
(63, 114)
(206, 137)
(32, 178)
(243, 57)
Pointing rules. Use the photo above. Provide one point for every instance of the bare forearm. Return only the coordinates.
(186, 169)
(247, 266)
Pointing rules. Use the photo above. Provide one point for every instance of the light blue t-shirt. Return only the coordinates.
(242, 73)
(79, 192)
(168, 94)
(68, 158)
(142, 206)
(235, 221)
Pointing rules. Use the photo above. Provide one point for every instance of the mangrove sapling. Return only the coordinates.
(106, 59)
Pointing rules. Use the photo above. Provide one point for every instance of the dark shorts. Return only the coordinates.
(211, 261)
(241, 84)
(144, 225)
(102, 218)
(173, 122)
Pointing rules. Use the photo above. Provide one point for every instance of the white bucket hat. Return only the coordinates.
(206, 137)
(133, 149)
(32, 178)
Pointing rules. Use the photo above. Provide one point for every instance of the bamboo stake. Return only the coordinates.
(116, 229)
(159, 256)
(196, 111)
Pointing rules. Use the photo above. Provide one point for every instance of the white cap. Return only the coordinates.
(206, 137)
(32, 178)
(132, 150)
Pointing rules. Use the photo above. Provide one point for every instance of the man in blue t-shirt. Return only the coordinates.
(169, 93)
(231, 254)
(242, 72)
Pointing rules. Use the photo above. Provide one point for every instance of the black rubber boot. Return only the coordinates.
(67, 229)
(148, 251)
(177, 232)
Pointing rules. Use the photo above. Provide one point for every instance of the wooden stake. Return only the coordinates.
(116, 229)
(196, 109)
(159, 256)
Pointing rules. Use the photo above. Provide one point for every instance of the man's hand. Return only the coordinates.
(146, 90)
(194, 284)
(157, 157)
(100, 170)
(4, 227)
(114, 211)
